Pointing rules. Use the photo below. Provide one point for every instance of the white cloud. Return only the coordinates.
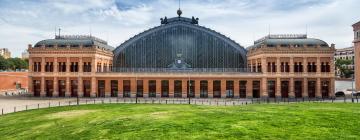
(24, 22)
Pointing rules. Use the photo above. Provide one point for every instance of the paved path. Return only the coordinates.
(16, 103)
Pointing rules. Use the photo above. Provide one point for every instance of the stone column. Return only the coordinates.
(197, 88)
(278, 88)
(263, 65)
(81, 65)
(93, 65)
(251, 66)
(318, 65)
(264, 92)
(43, 64)
(256, 65)
(210, 89)
(236, 89)
(184, 88)
(102, 65)
(80, 87)
(332, 87)
(291, 93)
(68, 64)
(158, 88)
(305, 88)
(31, 65)
(278, 70)
(55, 65)
(67, 91)
(108, 88)
(56, 87)
(120, 88)
(30, 85)
(318, 88)
(146, 88)
(133, 87)
(93, 87)
(249, 89)
(171, 88)
(291, 65)
(223, 88)
(305, 65)
(42, 87)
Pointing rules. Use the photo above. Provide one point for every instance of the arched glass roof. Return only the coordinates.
(179, 44)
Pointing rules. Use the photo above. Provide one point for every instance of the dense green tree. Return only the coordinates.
(344, 71)
(3, 63)
(13, 63)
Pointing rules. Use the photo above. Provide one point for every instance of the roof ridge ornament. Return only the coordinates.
(179, 12)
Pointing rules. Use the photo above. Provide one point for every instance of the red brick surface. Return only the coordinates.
(8, 80)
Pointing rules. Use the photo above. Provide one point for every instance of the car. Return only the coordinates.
(339, 94)
(356, 94)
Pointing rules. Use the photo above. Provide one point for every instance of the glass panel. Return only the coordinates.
(177, 88)
(114, 88)
(164, 88)
(127, 88)
(203, 89)
(139, 88)
(152, 88)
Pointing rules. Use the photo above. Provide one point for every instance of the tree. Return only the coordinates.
(3, 63)
(341, 65)
(13, 63)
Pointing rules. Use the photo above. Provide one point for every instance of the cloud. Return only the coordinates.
(118, 20)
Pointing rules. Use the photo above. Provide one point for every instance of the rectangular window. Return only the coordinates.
(242, 88)
(271, 89)
(298, 89)
(256, 89)
(74, 88)
(229, 89)
(126, 88)
(87, 88)
(62, 88)
(217, 88)
(191, 89)
(152, 88)
(139, 88)
(177, 88)
(114, 88)
(164, 88)
(203, 89)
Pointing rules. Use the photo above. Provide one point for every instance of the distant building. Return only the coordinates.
(25, 55)
(4, 52)
(345, 54)
(356, 29)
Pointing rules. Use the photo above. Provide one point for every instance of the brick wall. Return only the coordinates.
(8, 80)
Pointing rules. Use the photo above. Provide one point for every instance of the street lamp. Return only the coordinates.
(77, 94)
(352, 83)
(189, 89)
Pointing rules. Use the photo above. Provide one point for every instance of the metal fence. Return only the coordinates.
(192, 101)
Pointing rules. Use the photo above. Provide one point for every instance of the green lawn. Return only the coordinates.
(144, 121)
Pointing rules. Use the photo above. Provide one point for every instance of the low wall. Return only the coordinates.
(8, 80)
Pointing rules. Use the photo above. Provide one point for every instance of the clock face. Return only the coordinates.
(179, 61)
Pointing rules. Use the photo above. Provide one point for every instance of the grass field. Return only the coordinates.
(145, 121)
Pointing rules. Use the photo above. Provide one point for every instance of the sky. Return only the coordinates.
(24, 22)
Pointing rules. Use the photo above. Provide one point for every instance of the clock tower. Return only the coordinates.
(356, 28)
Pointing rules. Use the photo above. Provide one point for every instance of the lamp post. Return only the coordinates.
(189, 89)
(136, 95)
(352, 83)
(77, 94)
